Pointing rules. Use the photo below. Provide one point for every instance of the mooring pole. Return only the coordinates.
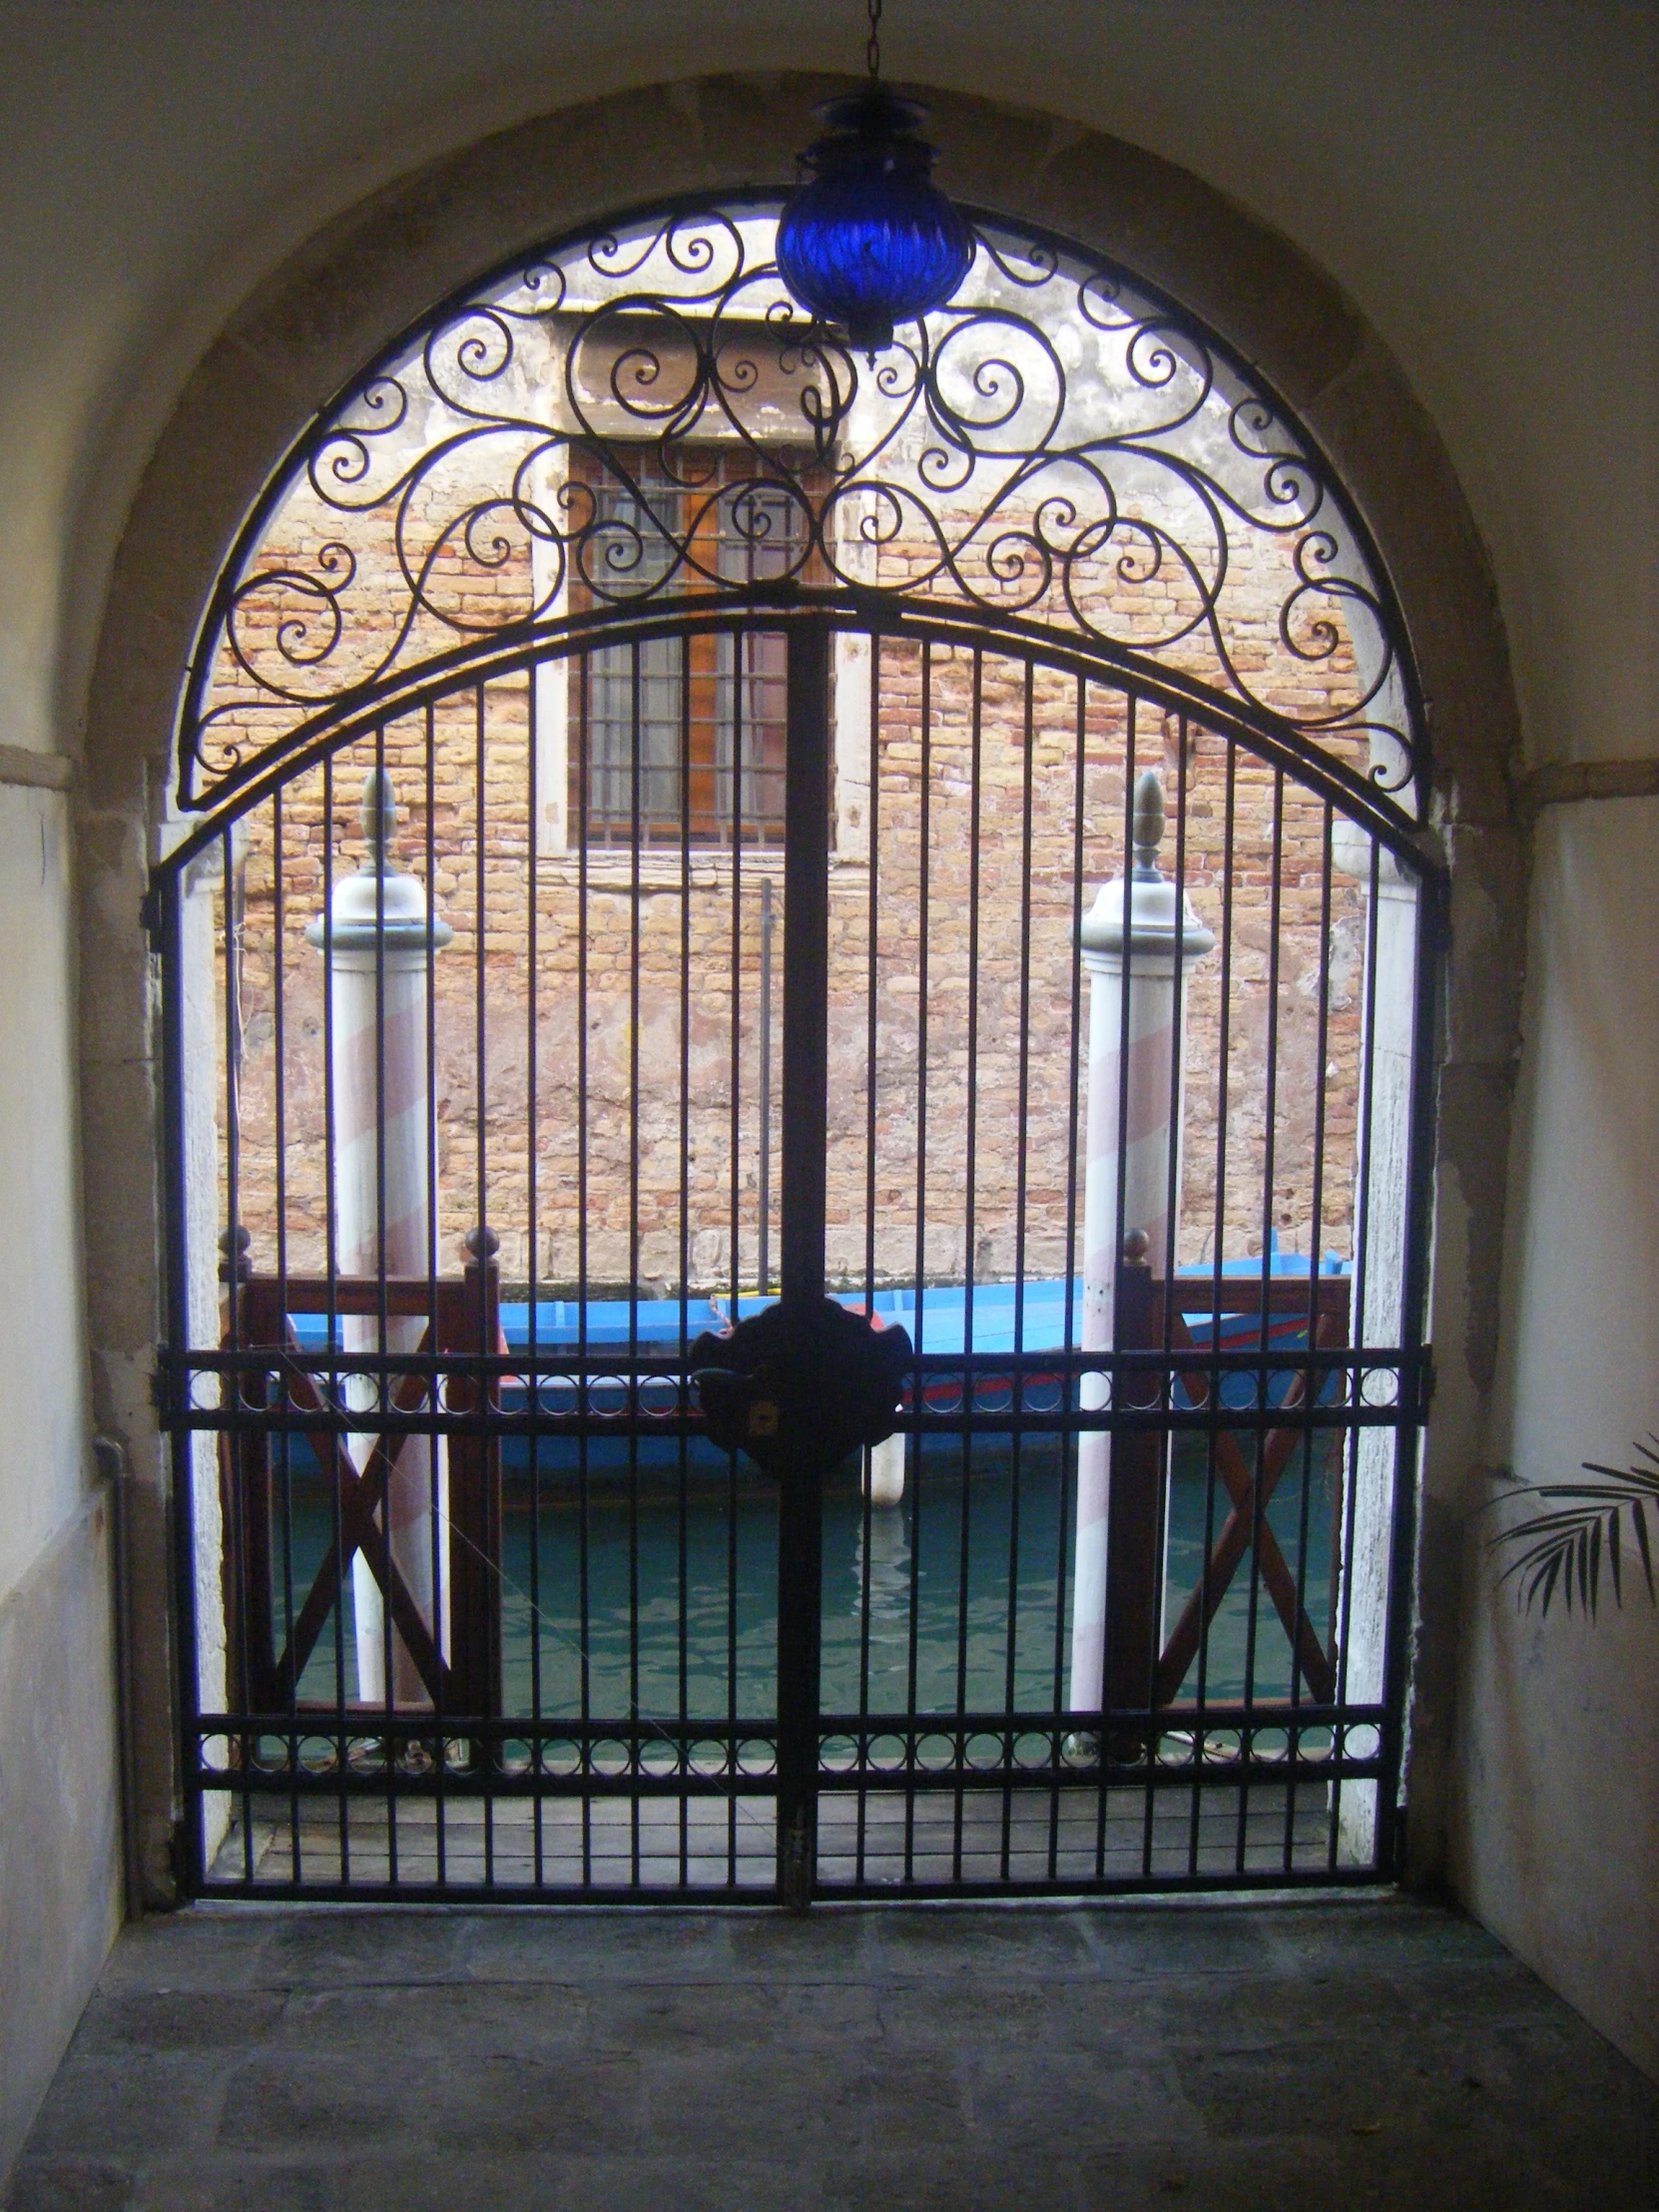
(806, 1138)
(376, 941)
(1139, 939)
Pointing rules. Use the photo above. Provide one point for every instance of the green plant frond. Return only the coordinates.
(1627, 1480)
(1604, 1490)
(1561, 1549)
(1549, 1580)
(1647, 1555)
(1547, 1523)
(1613, 1559)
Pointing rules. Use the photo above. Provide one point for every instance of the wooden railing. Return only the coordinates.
(463, 1317)
(1137, 1672)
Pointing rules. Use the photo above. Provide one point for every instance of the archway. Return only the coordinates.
(337, 304)
(644, 589)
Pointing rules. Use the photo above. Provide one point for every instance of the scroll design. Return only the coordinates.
(1057, 445)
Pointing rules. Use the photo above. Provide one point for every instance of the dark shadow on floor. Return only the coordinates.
(1284, 2058)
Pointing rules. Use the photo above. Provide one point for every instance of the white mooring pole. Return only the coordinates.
(1159, 937)
(377, 942)
(887, 1471)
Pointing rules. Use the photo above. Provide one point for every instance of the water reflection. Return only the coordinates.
(881, 1568)
(665, 1602)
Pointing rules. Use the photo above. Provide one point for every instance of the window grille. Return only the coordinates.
(707, 714)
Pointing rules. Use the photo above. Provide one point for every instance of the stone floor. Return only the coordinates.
(1299, 2056)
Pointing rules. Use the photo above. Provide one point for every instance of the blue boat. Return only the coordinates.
(944, 1323)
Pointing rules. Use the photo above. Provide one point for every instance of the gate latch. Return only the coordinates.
(801, 1386)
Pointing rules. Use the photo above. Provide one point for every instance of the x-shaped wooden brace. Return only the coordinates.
(361, 1496)
(1248, 1521)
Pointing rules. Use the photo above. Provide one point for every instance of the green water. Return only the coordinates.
(670, 1600)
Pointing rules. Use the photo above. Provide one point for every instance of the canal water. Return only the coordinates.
(658, 1598)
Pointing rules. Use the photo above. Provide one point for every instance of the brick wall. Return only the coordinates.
(605, 1015)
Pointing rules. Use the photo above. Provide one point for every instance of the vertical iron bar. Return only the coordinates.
(683, 1451)
(919, 1399)
(1172, 1198)
(285, 1448)
(1315, 1382)
(331, 1258)
(1211, 1427)
(488, 1754)
(584, 1596)
(734, 1218)
(435, 1390)
(635, 829)
(234, 1299)
(383, 1380)
(1123, 1563)
(182, 1454)
(1023, 1092)
(1427, 951)
(1072, 1386)
(873, 822)
(806, 1123)
(532, 1207)
(970, 1171)
(1133, 1564)
(1258, 1431)
(764, 1194)
(1356, 1307)
(280, 1192)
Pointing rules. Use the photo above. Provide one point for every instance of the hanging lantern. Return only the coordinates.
(869, 240)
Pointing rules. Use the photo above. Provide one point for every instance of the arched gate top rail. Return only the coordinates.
(1275, 740)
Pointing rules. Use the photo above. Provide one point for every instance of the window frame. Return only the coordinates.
(704, 471)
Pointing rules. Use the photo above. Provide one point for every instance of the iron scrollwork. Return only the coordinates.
(599, 429)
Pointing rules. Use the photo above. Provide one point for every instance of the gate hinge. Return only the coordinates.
(1425, 1388)
(150, 917)
(161, 1395)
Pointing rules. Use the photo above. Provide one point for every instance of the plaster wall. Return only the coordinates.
(43, 1456)
(59, 1803)
(1556, 1843)
(60, 1827)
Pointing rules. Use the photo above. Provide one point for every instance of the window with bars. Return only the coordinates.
(685, 734)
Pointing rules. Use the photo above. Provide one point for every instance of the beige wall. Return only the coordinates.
(44, 1462)
(1480, 180)
(1557, 1840)
(59, 1801)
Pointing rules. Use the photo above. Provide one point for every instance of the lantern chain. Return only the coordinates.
(872, 48)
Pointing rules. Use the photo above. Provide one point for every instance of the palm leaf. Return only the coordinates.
(1561, 1547)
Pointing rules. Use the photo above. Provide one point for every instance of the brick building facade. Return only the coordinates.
(624, 990)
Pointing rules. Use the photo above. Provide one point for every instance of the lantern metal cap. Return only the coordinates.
(874, 113)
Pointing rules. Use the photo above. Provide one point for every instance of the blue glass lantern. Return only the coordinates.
(869, 240)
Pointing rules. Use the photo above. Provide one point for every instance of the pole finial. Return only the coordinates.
(1148, 827)
(379, 820)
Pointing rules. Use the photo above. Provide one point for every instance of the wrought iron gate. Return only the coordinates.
(516, 1556)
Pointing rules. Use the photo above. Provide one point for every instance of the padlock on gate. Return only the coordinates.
(801, 1385)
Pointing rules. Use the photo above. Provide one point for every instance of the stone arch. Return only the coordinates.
(340, 299)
